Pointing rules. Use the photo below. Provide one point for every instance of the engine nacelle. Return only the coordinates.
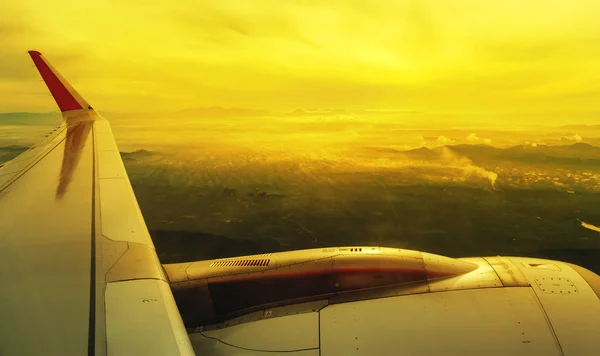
(213, 290)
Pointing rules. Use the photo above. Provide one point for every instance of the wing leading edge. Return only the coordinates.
(79, 274)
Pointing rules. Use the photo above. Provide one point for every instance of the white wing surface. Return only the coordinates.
(79, 273)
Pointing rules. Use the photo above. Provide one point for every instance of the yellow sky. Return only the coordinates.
(483, 56)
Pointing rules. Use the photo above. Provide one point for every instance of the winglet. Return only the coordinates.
(65, 96)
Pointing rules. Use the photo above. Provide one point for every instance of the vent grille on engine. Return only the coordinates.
(241, 263)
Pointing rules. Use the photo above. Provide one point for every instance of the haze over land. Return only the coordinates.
(223, 185)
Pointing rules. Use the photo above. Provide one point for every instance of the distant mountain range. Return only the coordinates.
(30, 118)
(52, 118)
(566, 154)
(218, 111)
(576, 150)
(9, 152)
(136, 155)
(581, 127)
(576, 153)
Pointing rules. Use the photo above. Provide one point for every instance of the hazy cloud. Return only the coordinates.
(472, 137)
(444, 140)
(574, 137)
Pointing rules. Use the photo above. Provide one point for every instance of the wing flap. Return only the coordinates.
(122, 219)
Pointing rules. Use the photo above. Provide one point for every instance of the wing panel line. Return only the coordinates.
(92, 317)
(25, 170)
(256, 350)
(552, 331)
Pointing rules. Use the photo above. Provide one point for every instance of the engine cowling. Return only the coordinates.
(213, 290)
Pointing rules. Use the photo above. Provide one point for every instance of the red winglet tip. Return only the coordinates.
(61, 93)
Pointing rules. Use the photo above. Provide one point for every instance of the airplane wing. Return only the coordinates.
(79, 273)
